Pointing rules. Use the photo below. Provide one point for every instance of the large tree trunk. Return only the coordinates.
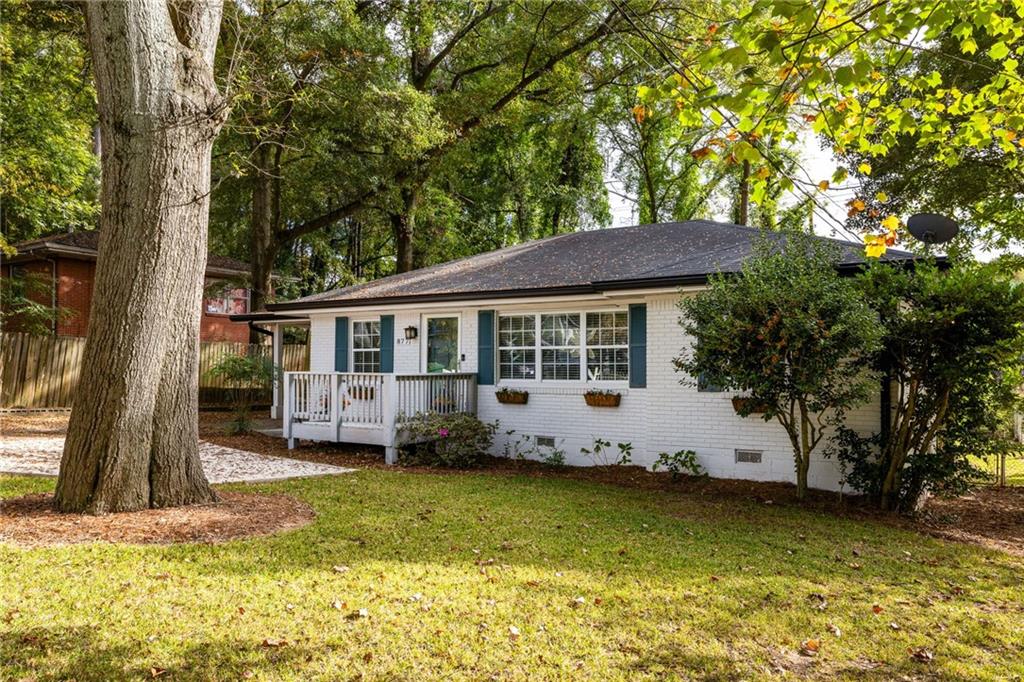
(132, 440)
(264, 245)
(403, 225)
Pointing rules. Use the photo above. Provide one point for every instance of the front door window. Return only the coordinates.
(442, 344)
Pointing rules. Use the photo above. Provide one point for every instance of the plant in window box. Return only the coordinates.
(511, 396)
(599, 398)
(745, 405)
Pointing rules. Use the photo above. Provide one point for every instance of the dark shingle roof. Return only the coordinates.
(89, 241)
(626, 257)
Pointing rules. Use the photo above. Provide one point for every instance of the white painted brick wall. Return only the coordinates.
(665, 417)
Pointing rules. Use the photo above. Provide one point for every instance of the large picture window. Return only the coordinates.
(366, 346)
(572, 346)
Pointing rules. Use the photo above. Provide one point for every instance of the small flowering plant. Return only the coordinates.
(449, 440)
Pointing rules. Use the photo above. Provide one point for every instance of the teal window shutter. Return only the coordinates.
(638, 345)
(341, 344)
(485, 348)
(387, 343)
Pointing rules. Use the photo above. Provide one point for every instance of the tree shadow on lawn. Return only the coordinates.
(78, 653)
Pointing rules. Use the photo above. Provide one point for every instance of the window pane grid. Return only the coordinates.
(517, 355)
(560, 343)
(608, 346)
(366, 346)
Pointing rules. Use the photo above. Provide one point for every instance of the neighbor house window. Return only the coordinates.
(228, 302)
(517, 355)
(571, 346)
(608, 346)
(366, 346)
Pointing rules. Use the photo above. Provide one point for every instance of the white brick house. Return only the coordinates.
(555, 318)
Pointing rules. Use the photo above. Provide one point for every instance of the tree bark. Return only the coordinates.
(403, 225)
(263, 224)
(743, 212)
(132, 439)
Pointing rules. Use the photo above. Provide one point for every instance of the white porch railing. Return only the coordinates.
(369, 408)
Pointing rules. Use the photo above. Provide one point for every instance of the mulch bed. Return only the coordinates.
(992, 517)
(31, 521)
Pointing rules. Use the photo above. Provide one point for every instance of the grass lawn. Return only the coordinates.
(446, 565)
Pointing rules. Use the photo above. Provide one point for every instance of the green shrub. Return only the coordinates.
(679, 463)
(249, 375)
(459, 441)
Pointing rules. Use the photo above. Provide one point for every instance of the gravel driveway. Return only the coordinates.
(41, 456)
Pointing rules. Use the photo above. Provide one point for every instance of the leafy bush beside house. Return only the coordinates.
(789, 332)
(954, 349)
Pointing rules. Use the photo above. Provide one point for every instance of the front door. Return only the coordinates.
(442, 344)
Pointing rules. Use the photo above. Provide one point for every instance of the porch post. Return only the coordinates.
(277, 357)
(390, 419)
(287, 411)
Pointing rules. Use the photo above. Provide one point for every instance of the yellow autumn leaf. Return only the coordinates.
(823, 185)
(864, 169)
(891, 222)
(762, 173)
(857, 205)
(874, 250)
(874, 245)
(882, 197)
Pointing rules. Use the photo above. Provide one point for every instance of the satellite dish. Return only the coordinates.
(932, 228)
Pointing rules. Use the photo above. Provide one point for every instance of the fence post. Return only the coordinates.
(390, 425)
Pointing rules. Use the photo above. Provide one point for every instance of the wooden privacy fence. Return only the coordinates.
(42, 371)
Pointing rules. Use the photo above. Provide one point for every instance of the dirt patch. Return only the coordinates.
(31, 521)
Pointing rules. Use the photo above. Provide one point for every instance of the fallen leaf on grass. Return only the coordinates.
(271, 642)
(894, 625)
(513, 632)
(341, 569)
(577, 602)
(834, 629)
(338, 604)
(877, 608)
(809, 647)
(355, 615)
(922, 655)
(157, 672)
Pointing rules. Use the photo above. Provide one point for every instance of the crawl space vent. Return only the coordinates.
(748, 456)
(545, 441)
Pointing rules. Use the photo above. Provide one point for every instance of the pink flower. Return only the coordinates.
(443, 433)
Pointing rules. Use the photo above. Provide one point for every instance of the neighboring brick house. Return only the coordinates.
(67, 264)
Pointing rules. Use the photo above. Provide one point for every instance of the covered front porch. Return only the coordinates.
(370, 408)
